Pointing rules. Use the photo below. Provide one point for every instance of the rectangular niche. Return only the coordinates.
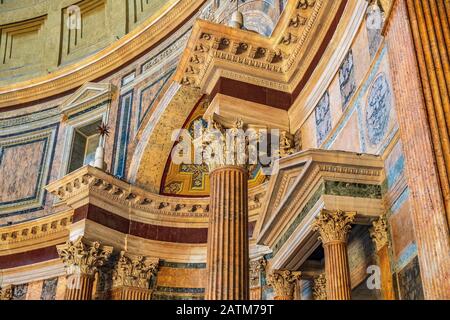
(21, 48)
(87, 34)
(139, 10)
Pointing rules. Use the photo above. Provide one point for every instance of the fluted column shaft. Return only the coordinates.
(337, 271)
(130, 293)
(334, 227)
(227, 250)
(387, 284)
(418, 79)
(79, 287)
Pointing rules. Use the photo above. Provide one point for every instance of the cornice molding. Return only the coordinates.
(91, 185)
(215, 51)
(144, 37)
(35, 234)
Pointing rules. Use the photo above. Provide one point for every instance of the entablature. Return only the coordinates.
(278, 63)
(89, 185)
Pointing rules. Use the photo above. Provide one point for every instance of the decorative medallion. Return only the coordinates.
(378, 109)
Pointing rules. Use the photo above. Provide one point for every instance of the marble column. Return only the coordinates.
(132, 276)
(284, 283)
(333, 227)
(379, 234)
(421, 100)
(82, 260)
(227, 248)
(228, 256)
(320, 288)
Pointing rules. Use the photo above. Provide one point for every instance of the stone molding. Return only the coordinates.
(215, 50)
(42, 230)
(301, 173)
(320, 287)
(76, 188)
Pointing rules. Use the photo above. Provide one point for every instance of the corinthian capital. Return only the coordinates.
(379, 232)
(284, 283)
(6, 293)
(334, 225)
(320, 288)
(226, 146)
(82, 258)
(134, 271)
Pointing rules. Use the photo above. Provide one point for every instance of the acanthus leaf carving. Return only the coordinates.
(5, 293)
(379, 232)
(333, 225)
(284, 282)
(320, 290)
(80, 258)
(134, 271)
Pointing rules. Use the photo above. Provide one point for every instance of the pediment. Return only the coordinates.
(88, 95)
(279, 186)
(333, 174)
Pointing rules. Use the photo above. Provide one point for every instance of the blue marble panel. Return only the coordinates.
(323, 118)
(122, 134)
(378, 109)
(20, 292)
(49, 289)
(347, 79)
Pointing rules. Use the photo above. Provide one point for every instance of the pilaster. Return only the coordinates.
(379, 234)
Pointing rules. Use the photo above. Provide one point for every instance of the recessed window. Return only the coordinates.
(85, 142)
